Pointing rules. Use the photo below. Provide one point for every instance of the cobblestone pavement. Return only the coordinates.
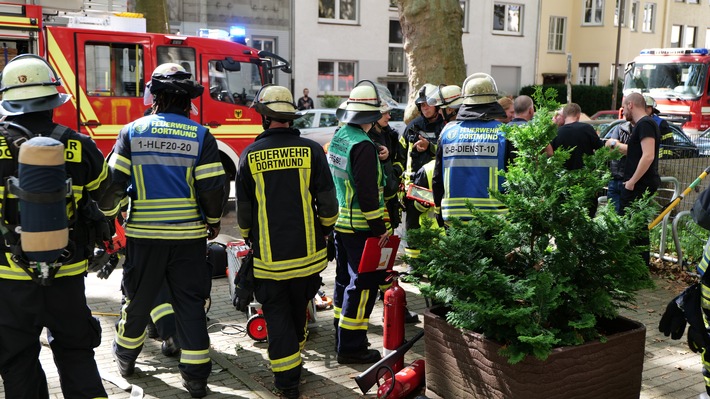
(241, 366)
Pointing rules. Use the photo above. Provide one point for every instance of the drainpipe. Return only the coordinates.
(537, 42)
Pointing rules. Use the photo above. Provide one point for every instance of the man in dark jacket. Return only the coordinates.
(30, 300)
(176, 180)
(286, 206)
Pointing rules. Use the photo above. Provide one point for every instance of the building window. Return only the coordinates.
(464, 8)
(707, 37)
(556, 38)
(588, 74)
(693, 2)
(593, 12)
(676, 35)
(649, 17)
(338, 10)
(393, 3)
(689, 36)
(508, 18)
(396, 60)
(336, 77)
(620, 10)
(633, 19)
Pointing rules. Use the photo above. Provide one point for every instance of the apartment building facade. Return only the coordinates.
(334, 43)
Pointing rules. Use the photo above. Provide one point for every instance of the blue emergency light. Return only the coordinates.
(238, 34)
(675, 51)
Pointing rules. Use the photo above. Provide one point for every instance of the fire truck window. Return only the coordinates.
(114, 69)
(184, 56)
(236, 84)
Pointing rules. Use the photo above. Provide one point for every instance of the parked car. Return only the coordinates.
(317, 124)
(703, 143)
(683, 146)
(609, 114)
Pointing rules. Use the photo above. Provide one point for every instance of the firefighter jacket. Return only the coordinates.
(667, 139)
(415, 159)
(175, 180)
(87, 169)
(286, 204)
(359, 181)
(394, 163)
(467, 163)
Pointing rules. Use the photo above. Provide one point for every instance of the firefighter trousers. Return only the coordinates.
(355, 293)
(284, 304)
(163, 315)
(182, 264)
(73, 333)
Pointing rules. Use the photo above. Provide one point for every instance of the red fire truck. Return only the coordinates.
(105, 72)
(677, 78)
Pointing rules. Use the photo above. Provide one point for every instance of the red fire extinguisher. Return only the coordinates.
(395, 303)
(404, 382)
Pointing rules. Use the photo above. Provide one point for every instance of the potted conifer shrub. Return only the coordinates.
(527, 302)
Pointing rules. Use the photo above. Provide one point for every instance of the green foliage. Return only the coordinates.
(330, 101)
(543, 274)
(590, 98)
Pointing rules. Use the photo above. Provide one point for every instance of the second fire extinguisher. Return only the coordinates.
(395, 303)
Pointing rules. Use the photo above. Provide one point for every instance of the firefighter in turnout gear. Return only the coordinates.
(692, 309)
(471, 152)
(359, 181)
(29, 89)
(171, 168)
(286, 206)
(420, 139)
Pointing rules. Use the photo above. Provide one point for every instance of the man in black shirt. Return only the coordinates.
(305, 102)
(641, 167)
(580, 137)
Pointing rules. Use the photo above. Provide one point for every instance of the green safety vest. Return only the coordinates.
(351, 218)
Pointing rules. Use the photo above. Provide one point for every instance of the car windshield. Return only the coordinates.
(303, 122)
(678, 80)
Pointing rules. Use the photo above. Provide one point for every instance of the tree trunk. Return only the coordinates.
(432, 40)
(155, 13)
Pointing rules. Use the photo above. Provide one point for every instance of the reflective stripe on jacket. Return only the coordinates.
(351, 218)
(165, 158)
(472, 154)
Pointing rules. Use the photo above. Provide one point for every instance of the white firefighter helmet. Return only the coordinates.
(479, 88)
(427, 90)
(29, 84)
(446, 97)
(275, 102)
(362, 106)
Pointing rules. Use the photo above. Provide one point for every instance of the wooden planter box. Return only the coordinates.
(463, 364)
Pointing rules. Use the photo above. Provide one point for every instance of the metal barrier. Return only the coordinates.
(662, 247)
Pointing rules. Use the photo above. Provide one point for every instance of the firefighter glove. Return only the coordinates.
(673, 320)
(104, 229)
(244, 284)
(695, 340)
(108, 268)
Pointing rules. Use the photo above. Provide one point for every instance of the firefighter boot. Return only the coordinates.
(289, 393)
(125, 368)
(197, 388)
(170, 347)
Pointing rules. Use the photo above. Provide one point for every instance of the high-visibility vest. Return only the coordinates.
(472, 154)
(351, 218)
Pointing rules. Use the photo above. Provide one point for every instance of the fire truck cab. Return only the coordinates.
(105, 71)
(677, 78)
